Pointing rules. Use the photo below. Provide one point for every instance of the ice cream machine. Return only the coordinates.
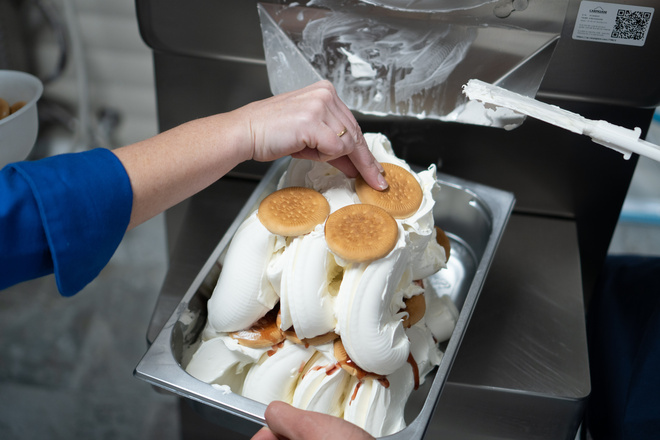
(522, 369)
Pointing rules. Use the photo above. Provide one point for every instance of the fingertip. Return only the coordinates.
(382, 183)
(375, 180)
(276, 404)
(367, 165)
(274, 408)
(380, 178)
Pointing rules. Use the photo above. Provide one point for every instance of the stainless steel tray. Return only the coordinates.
(473, 216)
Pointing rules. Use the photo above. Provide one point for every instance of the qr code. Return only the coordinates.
(631, 25)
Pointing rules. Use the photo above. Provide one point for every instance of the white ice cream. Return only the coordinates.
(379, 409)
(367, 311)
(423, 348)
(372, 293)
(319, 292)
(275, 376)
(426, 254)
(322, 385)
(222, 361)
(243, 293)
(441, 314)
(305, 299)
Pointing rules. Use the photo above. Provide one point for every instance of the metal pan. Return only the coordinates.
(473, 216)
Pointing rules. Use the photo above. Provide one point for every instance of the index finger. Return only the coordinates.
(367, 165)
(360, 155)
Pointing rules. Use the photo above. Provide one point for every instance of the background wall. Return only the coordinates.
(109, 70)
(66, 368)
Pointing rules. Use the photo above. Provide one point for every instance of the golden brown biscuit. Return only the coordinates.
(416, 308)
(263, 333)
(316, 340)
(293, 211)
(5, 110)
(348, 365)
(401, 199)
(443, 241)
(360, 233)
(291, 335)
(16, 106)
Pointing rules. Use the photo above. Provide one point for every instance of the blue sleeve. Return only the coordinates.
(64, 214)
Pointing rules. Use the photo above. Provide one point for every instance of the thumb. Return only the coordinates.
(296, 424)
(266, 434)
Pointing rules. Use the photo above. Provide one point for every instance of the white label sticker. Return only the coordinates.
(612, 23)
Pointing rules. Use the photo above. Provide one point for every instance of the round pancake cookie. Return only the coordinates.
(16, 106)
(360, 233)
(401, 199)
(263, 333)
(293, 211)
(416, 308)
(316, 340)
(5, 109)
(443, 241)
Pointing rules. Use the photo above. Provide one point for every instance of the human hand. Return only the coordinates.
(286, 422)
(311, 123)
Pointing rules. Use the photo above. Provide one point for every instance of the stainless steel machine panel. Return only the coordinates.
(604, 73)
(391, 62)
(522, 371)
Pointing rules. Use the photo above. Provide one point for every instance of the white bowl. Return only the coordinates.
(18, 131)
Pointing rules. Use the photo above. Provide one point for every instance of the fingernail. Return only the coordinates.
(380, 167)
(382, 183)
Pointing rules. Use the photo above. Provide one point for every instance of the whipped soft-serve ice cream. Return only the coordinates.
(292, 320)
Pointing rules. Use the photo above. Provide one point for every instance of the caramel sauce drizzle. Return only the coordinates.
(359, 372)
(355, 391)
(330, 369)
(383, 381)
(274, 349)
(268, 320)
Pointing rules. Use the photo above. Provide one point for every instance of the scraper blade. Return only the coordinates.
(618, 138)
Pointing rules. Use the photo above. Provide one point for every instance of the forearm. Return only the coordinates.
(172, 166)
(310, 123)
